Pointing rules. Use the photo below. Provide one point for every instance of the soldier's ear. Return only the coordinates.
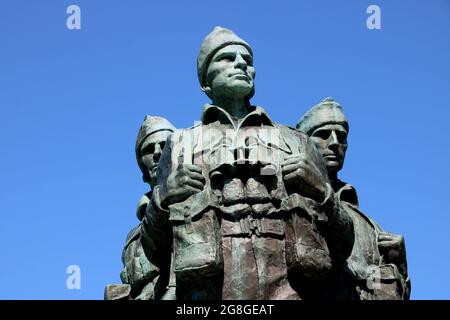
(207, 89)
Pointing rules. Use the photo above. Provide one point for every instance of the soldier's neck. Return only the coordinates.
(333, 177)
(238, 108)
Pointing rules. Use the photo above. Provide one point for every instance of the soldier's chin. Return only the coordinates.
(333, 166)
(241, 88)
(153, 176)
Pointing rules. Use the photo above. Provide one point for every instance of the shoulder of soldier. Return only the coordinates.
(298, 139)
(287, 127)
(133, 235)
(178, 133)
(181, 136)
(347, 193)
(142, 205)
(197, 124)
(291, 131)
(371, 221)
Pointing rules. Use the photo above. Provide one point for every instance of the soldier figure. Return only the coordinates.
(143, 280)
(245, 203)
(378, 261)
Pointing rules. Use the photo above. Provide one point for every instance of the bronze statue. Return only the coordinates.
(242, 207)
(378, 261)
(245, 203)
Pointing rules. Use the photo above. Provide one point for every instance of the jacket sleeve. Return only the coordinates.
(156, 232)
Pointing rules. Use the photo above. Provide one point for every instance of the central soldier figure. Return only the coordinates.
(244, 203)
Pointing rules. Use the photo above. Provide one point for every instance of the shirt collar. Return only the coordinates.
(258, 116)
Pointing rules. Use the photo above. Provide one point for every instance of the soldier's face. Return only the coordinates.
(231, 73)
(331, 142)
(151, 151)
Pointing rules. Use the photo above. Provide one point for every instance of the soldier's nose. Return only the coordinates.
(240, 62)
(333, 139)
(157, 152)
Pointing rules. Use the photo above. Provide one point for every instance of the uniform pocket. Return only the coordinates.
(197, 246)
(306, 249)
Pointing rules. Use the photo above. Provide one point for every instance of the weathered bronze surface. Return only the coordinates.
(242, 207)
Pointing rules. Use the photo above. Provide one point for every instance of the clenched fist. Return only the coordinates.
(302, 175)
(392, 247)
(185, 181)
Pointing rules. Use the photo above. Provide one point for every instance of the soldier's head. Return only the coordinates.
(328, 128)
(225, 66)
(150, 142)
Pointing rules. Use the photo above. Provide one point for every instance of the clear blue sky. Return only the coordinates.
(72, 102)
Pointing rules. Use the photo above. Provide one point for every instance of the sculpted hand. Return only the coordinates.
(185, 181)
(392, 247)
(302, 175)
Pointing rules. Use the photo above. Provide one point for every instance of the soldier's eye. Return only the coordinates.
(341, 136)
(162, 144)
(226, 57)
(323, 134)
(148, 149)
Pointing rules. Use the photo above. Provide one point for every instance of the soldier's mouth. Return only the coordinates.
(241, 76)
(331, 157)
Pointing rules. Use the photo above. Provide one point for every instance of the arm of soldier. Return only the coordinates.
(178, 178)
(138, 271)
(127, 253)
(176, 181)
(407, 288)
(393, 250)
(340, 234)
(156, 233)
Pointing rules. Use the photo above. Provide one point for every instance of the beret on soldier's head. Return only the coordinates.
(216, 40)
(150, 125)
(328, 111)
